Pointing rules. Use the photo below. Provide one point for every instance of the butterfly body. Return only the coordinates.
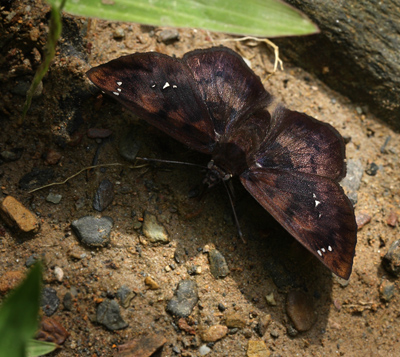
(213, 102)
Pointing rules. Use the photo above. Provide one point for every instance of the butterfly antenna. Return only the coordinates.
(228, 190)
(170, 162)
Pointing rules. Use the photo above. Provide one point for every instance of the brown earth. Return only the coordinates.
(352, 319)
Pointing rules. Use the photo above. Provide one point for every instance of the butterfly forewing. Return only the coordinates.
(161, 90)
(312, 208)
(230, 89)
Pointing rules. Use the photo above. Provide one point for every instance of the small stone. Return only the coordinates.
(52, 157)
(270, 298)
(54, 198)
(300, 309)
(194, 270)
(218, 266)
(153, 230)
(143, 346)
(204, 350)
(104, 195)
(179, 255)
(184, 326)
(263, 324)
(392, 219)
(9, 280)
(150, 282)
(391, 260)
(167, 268)
(221, 307)
(291, 331)
(34, 34)
(67, 301)
(128, 145)
(125, 296)
(362, 218)
(235, 320)
(36, 178)
(109, 315)
(372, 169)
(16, 215)
(92, 231)
(50, 301)
(31, 260)
(184, 300)
(247, 333)
(274, 334)
(137, 225)
(96, 133)
(12, 155)
(214, 333)
(58, 273)
(386, 290)
(257, 349)
(168, 35)
(352, 181)
(118, 33)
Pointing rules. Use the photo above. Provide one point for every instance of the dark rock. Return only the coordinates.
(92, 231)
(356, 52)
(184, 300)
(103, 196)
(67, 301)
(50, 301)
(372, 169)
(300, 309)
(12, 155)
(125, 296)
(36, 178)
(391, 260)
(108, 314)
(179, 255)
(218, 266)
(386, 290)
(97, 133)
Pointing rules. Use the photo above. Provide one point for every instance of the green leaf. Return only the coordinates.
(19, 314)
(37, 348)
(266, 18)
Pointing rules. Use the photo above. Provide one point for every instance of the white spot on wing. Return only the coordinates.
(166, 85)
(258, 164)
(153, 86)
(319, 253)
(115, 93)
(174, 86)
(119, 83)
(329, 248)
(119, 89)
(323, 250)
(317, 203)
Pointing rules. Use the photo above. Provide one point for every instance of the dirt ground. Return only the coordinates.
(351, 318)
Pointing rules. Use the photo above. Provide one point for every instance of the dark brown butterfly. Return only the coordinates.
(213, 102)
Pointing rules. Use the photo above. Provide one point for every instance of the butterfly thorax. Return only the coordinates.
(215, 175)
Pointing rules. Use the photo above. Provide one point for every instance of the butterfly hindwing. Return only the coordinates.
(161, 90)
(311, 208)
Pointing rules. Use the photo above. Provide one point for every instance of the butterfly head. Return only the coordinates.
(215, 175)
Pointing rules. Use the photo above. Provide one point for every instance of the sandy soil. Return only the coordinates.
(352, 319)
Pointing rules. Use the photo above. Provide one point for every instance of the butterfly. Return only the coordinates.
(291, 163)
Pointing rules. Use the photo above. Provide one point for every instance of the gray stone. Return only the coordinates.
(218, 266)
(168, 35)
(153, 230)
(184, 300)
(92, 231)
(356, 52)
(67, 301)
(128, 145)
(50, 301)
(104, 195)
(352, 181)
(54, 198)
(386, 290)
(391, 260)
(108, 314)
(125, 296)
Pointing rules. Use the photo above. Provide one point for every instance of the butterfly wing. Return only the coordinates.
(161, 90)
(230, 89)
(294, 177)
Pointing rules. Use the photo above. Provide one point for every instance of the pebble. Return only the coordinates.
(58, 273)
(372, 170)
(300, 309)
(221, 307)
(54, 198)
(118, 33)
(270, 298)
(352, 181)
(391, 260)
(15, 214)
(362, 218)
(154, 231)
(204, 350)
(214, 333)
(50, 301)
(144, 346)
(13, 155)
(392, 219)
(31, 260)
(151, 283)
(274, 334)
(51, 330)
(128, 145)
(67, 301)
(194, 269)
(257, 349)
(92, 231)
(52, 157)
(218, 266)
(179, 255)
(184, 299)
(125, 296)
(104, 195)
(168, 35)
(235, 320)
(291, 331)
(36, 178)
(263, 324)
(108, 314)
(96, 133)
(386, 290)
(9, 280)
